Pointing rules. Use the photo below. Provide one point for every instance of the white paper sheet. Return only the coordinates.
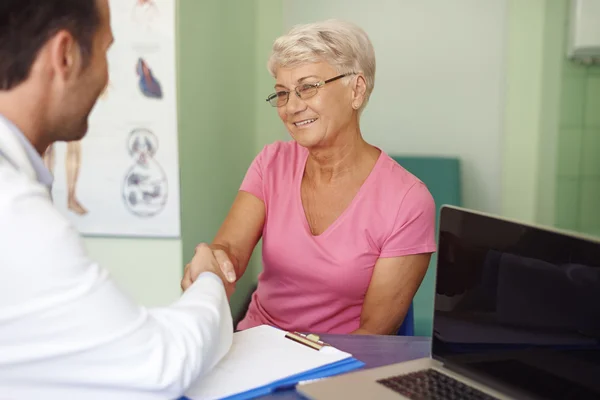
(260, 356)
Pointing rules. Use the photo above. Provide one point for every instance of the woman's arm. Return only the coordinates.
(240, 231)
(232, 247)
(393, 285)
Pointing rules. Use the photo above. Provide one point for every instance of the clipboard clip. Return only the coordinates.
(310, 340)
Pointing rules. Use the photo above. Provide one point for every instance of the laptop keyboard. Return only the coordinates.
(431, 384)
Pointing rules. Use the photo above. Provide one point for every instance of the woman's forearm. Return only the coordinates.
(367, 331)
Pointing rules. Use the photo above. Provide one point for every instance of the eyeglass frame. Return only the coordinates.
(316, 86)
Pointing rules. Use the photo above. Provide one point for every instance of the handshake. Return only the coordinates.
(210, 259)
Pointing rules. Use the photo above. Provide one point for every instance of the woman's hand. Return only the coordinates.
(207, 259)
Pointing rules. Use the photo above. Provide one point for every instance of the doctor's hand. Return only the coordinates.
(207, 259)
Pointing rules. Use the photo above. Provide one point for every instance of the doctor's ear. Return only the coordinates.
(65, 55)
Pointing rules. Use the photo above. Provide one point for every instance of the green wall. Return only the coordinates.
(551, 172)
(576, 176)
(223, 119)
(553, 52)
(578, 173)
(216, 119)
(268, 126)
(269, 20)
(524, 69)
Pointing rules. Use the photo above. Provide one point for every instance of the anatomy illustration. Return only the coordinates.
(145, 188)
(72, 164)
(148, 83)
(145, 13)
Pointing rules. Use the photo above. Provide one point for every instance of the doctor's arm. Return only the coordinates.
(78, 328)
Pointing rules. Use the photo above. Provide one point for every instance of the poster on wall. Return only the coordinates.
(122, 178)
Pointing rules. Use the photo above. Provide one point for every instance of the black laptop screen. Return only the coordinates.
(518, 306)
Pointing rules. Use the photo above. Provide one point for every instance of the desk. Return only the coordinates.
(374, 351)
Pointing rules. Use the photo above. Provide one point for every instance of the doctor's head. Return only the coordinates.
(53, 65)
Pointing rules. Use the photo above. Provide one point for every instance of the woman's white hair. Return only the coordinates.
(343, 45)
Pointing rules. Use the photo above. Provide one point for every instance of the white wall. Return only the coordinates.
(439, 82)
(148, 269)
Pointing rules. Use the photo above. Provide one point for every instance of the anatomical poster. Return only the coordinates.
(122, 178)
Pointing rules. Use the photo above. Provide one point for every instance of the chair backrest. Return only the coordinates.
(442, 177)
(408, 325)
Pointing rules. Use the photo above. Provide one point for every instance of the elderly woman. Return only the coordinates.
(347, 232)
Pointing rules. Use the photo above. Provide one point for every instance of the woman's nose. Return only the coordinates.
(295, 104)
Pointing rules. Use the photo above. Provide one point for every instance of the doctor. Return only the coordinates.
(66, 330)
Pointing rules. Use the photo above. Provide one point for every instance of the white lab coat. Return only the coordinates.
(67, 331)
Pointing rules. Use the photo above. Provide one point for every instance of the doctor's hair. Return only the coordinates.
(27, 25)
(341, 44)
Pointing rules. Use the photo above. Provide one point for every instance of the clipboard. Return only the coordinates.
(265, 359)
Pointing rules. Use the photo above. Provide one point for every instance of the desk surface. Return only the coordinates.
(374, 351)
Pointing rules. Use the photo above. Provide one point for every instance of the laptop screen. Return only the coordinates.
(518, 306)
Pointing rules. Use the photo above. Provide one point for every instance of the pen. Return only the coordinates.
(310, 340)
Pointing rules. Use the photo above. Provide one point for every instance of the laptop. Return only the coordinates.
(516, 316)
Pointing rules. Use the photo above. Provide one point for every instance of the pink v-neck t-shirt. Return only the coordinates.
(318, 283)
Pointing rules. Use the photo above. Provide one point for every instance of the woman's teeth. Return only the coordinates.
(305, 122)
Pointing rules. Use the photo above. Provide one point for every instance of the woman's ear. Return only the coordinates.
(358, 91)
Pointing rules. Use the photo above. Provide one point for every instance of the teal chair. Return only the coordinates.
(442, 177)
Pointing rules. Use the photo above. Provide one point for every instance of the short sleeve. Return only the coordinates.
(253, 181)
(414, 227)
